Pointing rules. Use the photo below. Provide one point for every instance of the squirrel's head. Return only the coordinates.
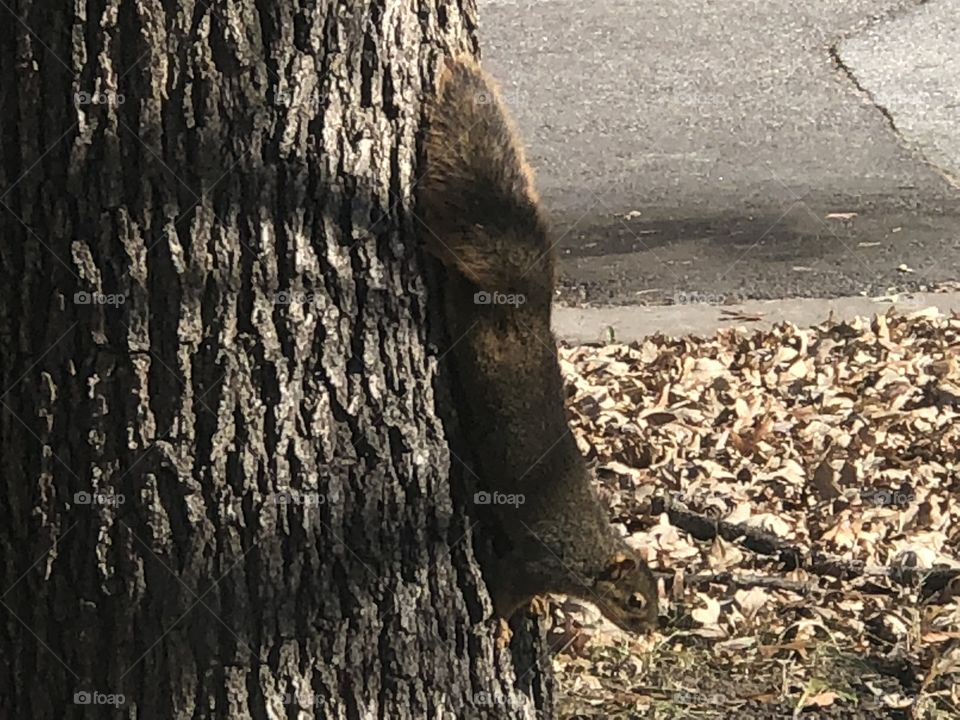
(627, 593)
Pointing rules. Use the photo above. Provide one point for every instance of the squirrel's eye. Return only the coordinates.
(638, 601)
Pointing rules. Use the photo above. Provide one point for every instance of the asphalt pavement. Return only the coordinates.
(734, 149)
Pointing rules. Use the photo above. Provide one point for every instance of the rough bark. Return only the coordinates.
(225, 490)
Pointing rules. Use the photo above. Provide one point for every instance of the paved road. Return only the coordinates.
(695, 150)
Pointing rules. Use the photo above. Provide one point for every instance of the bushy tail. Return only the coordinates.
(476, 199)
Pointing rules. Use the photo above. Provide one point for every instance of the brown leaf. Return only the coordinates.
(823, 699)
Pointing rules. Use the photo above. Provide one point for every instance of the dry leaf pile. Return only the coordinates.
(798, 492)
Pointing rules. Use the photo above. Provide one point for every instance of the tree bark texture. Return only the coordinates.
(225, 490)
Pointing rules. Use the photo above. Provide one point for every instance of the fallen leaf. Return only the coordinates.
(823, 699)
(709, 613)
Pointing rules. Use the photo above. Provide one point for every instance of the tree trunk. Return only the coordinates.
(225, 490)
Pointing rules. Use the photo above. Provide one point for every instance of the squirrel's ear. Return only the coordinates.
(619, 566)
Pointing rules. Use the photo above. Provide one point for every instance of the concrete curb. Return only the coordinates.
(629, 323)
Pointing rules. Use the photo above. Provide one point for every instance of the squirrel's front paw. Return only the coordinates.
(540, 605)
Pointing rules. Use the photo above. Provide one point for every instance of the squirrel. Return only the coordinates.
(481, 218)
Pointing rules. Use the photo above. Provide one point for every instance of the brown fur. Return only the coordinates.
(483, 221)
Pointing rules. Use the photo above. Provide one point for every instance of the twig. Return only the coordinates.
(763, 581)
(703, 527)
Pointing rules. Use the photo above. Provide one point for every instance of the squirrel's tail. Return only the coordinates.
(476, 197)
